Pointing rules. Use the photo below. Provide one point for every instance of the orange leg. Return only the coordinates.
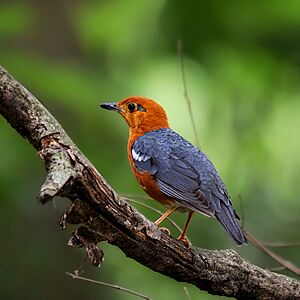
(182, 236)
(164, 216)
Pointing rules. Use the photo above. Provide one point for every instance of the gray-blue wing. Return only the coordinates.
(185, 174)
(162, 154)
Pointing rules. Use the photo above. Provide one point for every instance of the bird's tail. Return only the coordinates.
(229, 219)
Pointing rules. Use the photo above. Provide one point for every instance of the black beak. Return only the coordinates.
(111, 106)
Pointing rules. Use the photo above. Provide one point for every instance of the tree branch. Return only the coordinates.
(102, 215)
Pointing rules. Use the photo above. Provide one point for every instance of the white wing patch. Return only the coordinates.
(139, 156)
(134, 154)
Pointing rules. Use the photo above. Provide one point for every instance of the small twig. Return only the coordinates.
(117, 287)
(277, 269)
(187, 293)
(142, 197)
(281, 244)
(283, 262)
(185, 90)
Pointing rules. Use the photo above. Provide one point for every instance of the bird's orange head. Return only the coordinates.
(140, 113)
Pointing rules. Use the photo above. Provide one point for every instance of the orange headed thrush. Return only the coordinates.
(171, 170)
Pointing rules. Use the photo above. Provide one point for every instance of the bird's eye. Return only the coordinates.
(131, 106)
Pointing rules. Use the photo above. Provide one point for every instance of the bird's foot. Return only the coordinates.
(184, 240)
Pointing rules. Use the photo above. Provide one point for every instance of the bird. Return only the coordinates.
(173, 171)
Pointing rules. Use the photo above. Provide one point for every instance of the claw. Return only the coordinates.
(185, 241)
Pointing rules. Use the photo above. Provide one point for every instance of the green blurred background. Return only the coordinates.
(242, 62)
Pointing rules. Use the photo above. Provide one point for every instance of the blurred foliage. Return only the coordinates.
(242, 63)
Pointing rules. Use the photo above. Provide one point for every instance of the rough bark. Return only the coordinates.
(102, 215)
